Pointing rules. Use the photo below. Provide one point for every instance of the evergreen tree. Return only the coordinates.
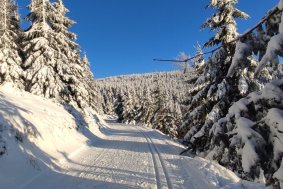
(10, 59)
(160, 113)
(119, 107)
(198, 61)
(163, 117)
(73, 70)
(224, 22)
(259, 148)
(53, 64)
(225, 131)
(41, 54)
(211, 94)
(131, 108)
(150, 108)
(94, 98)
(146, 109)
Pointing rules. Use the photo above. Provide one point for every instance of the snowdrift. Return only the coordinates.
(35, 134)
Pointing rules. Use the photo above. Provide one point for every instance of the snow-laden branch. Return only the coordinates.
(274, 11)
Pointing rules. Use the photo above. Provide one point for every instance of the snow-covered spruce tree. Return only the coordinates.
(223, 22)
(253, 132)
(10, 59)
(238, 141)
(54, 68)
(131, 108)
(128, 107)
(94, 98)
(198, 61)
(211, 95)
(41, 53)
(108, 100)
(119, 107)
(254, 124)
(147, 108)
(163, 116)
(73, 70)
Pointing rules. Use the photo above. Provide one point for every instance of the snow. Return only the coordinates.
(222, 89)
(245, 133)
(279, 174)
(274, 119)
(238, 107)
(249, 156)
(276, 115)
(244, 128)
(136, 157)
(214, 114)
(52, 153)
(271, 91)
(274, 47)
(243, 86)
(241, 52)
(47, 131)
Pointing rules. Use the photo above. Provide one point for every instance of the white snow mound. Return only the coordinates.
(35, 133)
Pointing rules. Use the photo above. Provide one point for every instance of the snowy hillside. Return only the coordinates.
(35, 133)
(174, 84)
(156, 100)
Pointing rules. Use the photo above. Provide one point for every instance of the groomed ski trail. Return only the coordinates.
(128, 157)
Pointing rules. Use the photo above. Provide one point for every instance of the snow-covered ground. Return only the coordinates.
(135, 157)
(35, 135)
(49, 152)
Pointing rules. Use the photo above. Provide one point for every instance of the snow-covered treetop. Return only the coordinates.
(85, 59)
(10, 60)
(9, 23)
(39, 13)
(224, 21)
(60, 23)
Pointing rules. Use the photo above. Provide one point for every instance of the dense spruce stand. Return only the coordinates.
(226, 104)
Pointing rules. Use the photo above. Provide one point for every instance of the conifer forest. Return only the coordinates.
(216, 121)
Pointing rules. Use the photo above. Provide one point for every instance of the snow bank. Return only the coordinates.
(35, 134)
(219, 176)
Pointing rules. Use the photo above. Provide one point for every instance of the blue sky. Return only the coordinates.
(123, 36)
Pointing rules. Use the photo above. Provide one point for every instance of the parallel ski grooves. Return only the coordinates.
(157, 173)
(153, 147)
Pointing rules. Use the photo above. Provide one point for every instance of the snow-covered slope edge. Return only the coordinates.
(35, 134)
(217, 175)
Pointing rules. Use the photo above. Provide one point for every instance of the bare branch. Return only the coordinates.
(170, 60)
(264, 19)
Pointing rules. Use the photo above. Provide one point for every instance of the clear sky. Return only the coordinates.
(123, 36)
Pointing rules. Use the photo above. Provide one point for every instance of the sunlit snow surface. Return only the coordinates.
(54, 154)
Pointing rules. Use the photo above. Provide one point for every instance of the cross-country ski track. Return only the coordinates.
(133, 157)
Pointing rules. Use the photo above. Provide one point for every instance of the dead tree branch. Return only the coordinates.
(264, 19)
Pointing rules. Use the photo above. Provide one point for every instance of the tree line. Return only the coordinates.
(45, 58)
(155, 100)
